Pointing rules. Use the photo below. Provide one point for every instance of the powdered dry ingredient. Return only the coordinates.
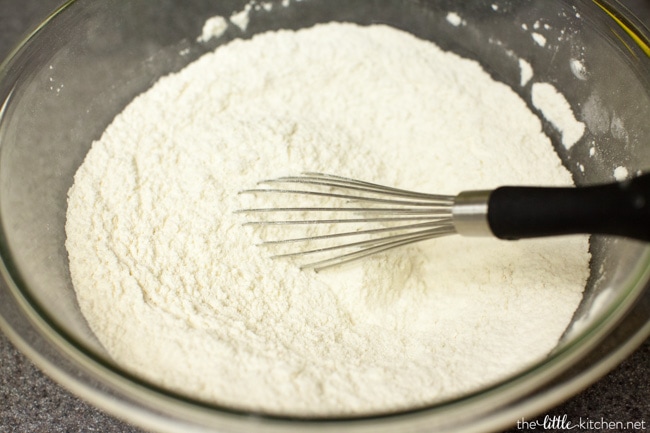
(213, 28)
(556, 109)
(176, 291)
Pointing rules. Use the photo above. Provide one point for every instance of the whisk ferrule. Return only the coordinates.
(469, 213)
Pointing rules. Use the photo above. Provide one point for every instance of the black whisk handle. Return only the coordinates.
(620, 208)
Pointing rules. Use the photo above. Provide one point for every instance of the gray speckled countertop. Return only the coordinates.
(31, 402)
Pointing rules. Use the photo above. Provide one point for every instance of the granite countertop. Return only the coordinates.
(31, 402)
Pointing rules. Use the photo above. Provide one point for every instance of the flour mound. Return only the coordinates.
(176, 291)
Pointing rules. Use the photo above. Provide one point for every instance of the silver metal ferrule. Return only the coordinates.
(469, 213)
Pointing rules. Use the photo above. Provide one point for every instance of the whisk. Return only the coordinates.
(362, 218)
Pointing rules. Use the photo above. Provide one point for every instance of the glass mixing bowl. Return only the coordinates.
(66, 82)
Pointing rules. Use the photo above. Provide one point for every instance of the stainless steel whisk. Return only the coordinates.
(378, 218)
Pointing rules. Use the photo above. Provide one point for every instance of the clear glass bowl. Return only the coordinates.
(66, 82)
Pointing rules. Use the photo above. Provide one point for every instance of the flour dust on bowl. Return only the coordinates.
(128, 129)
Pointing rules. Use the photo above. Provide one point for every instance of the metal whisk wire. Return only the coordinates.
(404, 217)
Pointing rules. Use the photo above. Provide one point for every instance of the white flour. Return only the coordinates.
(556, 109)
(175, 290)
(213, 28)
